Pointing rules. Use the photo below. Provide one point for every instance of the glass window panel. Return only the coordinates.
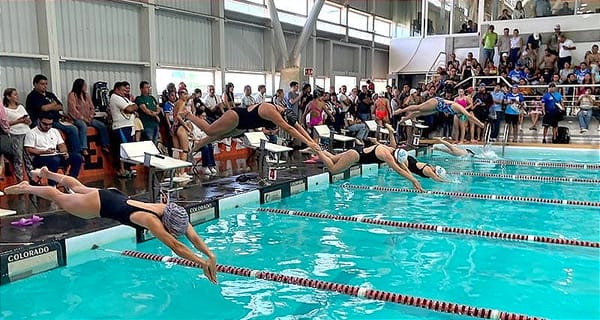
(465, 11)
(360, 34)
(291, 18)
(588, 6)
(193, 79)
(349, 82)
(438, 21)
(239, 80)
(295, 6)
(247, 8)
(382, 27)
(333, 28)
(358, 21)
(331, 14)
(383, 40)
(261, 2)
(380, 85)
(407, 16)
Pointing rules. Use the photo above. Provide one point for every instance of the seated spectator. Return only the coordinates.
(587, 79)
(121, 110)
(586, 103)
(565, 10)
(505, 63)
(356, 126)
(247, 99)
(47, 148)
(516, 74)
(548, 65)
(542, 8)
(582, 72)
(451, 81)
(82, 111)
(526, 61)
(279, 98)
(593, 57)
(518, 11)
(452, 62)
(19, 122)
(228, 97)
(505, 15)
(565, 72)
(5, 143)
(41, 102)
(261, 95)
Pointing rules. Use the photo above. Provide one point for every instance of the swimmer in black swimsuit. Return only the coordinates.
(237, 120)
(395, 159)
(166, 222)
(425, 170)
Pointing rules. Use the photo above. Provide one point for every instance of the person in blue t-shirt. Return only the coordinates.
(517, 74)
(551, 111)
(496, 113)
(514, 101)
(581, 72)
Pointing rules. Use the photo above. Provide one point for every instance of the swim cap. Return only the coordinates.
(440, 171)
(175, 219)
(289, 116)
(401, 155)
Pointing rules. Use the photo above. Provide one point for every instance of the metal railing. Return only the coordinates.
(505, 138)
(433, 68)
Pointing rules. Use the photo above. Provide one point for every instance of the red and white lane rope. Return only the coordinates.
(430, 304)
(585, 166)
(436, 228)
(525, 178)
(479, 196)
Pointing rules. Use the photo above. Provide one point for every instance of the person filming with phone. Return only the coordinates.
(47, 148)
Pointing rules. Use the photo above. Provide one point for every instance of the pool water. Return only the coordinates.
(557, 282)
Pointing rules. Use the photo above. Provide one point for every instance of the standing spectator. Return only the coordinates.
(518, 11)
(565, 47)
(504, 43)
(388, 92)
(548, 65)
(370, 87)
(82, 111)
(47, 148)
(261, 95)
(593, 57)
(552, 44)
(41, 102)
(460, 120)
(364, 104)
(586, 103)
(489, 40)
(150, 112)
(19, 122)
(247, 99)
(514, 102)
(516, 44)
(121, 110)
(214, 104)
(496, 113)
(343, 99)
(505, 15)
(533, 45)
(306, 97)
(279, 98)
(292, 98)
(565, 10)
(482, 102)
(542, 8)
(228, 97)
(551, 111)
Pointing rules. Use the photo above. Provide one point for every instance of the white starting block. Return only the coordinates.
(258, 141)
(372, 125)
(324, 132)
(146, 153)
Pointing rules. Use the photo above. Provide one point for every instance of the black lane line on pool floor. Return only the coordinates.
(525, 177)
(436, 228)
(542, 164)
(477, 195)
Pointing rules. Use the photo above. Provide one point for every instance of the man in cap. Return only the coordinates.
(552, 111)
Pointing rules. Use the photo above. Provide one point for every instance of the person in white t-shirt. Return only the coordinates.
(565, 47)
(247, 99)
(214, 104)
(343, 98)
(261, 97)
(19, 122)
(121, 111)
(47, 148)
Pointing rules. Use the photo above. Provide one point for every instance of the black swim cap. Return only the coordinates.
(289, 116)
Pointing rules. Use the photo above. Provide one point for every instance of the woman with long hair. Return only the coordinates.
(19, 122)
(82, 111)
(228, 97)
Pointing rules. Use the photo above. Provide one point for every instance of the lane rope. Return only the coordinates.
(585, 166)
(371, 294)
(437, 228)
(478, 196)
(525, 177)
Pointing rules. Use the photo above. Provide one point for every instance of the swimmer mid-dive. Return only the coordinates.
(378, 153)
(426, 170)
(452, 149)
(165, 221)
(438, 105)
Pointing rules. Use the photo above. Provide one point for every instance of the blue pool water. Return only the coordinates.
(557, 282)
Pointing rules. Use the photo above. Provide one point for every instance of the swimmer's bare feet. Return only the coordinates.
(41, 172)
(17, 188)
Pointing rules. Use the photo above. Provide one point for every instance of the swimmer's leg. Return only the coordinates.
(66, 181)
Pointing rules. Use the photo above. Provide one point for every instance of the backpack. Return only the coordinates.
(562, 135)
(100, 96)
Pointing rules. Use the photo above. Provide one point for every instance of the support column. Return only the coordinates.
(149, 47)
(48, 39)
(218, 41)
(309, 26)
(279, 45)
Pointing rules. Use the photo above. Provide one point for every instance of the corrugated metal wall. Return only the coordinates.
(244, 47)
(365, 60)
(360, 4)
(98, 29)
(201, 6)
(380, 64)
(18, 26)
(320, 63)
(92, 72)
(345, 58)
(193, 47)
(18, 73)
(383, 8)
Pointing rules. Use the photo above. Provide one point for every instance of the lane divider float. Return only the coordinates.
(372, 294)
(437, 228)
(585, 166)
(479, 196)
(525, 177)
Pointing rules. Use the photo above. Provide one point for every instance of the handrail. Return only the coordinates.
(505, 138)
(433, 64)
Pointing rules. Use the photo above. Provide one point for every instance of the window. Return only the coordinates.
(250, 8)
(293, 6)
(408, 18)
(358, 20)
(239, 80)
(331, 13)
(349, 82)
(193, 79)
(438, 21)
(382, 27)
(380, 85)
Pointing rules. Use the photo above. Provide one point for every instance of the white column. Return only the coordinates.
(48, 37)
(149, 40)
(218, 41)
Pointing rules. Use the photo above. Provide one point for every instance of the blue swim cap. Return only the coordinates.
(401, 155)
